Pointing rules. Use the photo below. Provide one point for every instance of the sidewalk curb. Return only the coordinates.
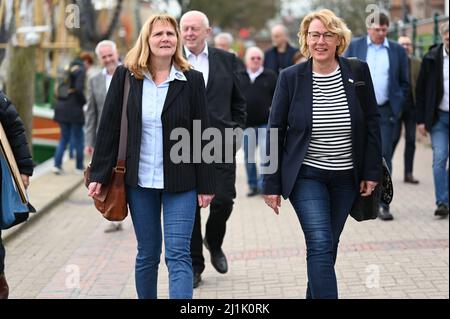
(41, 211)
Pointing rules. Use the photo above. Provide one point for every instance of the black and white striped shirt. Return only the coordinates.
(331, 141)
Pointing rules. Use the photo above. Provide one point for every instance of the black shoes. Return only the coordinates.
(4, 289)
(218, 259)
(410, 179)
(441, 210)
(385, 214)
(197, 279)
(253, 192)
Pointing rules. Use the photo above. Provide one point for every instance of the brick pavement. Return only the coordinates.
(66, 254)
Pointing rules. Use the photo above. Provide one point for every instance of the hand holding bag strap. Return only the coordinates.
(123, 125)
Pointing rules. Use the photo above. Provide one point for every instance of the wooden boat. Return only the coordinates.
(46, 133)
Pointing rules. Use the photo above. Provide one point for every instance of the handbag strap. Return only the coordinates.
(123, 125)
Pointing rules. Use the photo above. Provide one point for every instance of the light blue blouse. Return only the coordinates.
(151, 172)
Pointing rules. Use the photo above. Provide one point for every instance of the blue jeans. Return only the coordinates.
(439, 142)
(70, 133)
(322, 200)
(178, 217)
(254, 137)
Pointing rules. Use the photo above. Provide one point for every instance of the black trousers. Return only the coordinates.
(219, 212)
(409, 119)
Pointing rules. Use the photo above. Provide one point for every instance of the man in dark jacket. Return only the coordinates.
(432, 114)
(281, 55)
(408, 114)
(15, 131)
(70, 117)
(226, 107)
(257, 85)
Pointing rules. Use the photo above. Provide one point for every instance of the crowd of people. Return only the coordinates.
(306, 101)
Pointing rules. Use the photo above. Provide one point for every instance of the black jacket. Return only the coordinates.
(226, 104)
(70, 110)
(15, 132)
(430, 87)
(291, 114)
(185, 102)
(259, 96)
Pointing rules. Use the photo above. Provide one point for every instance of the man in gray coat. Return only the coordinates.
(98, 87)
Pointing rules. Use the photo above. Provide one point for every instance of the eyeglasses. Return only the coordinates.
(253, 58)
(327, 36)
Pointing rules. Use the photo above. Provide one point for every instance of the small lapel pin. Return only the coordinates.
(350, 80)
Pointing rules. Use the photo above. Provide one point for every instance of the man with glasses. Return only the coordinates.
(388, 64)
(408, 115)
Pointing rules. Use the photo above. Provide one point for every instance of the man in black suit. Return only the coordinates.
(226, 106)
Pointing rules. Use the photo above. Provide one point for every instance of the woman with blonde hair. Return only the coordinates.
(165, 94)
(329, 145)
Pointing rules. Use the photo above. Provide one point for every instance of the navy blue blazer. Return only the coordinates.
(398, 70)
(291, 114)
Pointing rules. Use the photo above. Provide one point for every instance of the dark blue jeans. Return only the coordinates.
(322, 200)
(178, 216)
(70, 133)
(387, 125)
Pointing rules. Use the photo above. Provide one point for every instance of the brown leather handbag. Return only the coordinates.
(112, 202)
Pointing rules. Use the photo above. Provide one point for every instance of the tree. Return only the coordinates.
(20, 88)
(87, 33)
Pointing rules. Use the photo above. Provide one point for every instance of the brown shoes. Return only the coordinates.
(4, 289)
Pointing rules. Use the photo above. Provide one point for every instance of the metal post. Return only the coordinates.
(414, 35)
(436, 28)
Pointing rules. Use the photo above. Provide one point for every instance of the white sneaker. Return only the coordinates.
(57, 170)
(79, 171)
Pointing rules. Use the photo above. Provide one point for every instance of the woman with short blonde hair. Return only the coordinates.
(333, 23)
(328, 140)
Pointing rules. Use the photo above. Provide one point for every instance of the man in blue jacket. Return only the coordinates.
(388, 64)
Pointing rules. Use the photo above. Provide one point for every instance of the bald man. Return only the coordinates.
(281, 55)
(227, 109)
(223, 41)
